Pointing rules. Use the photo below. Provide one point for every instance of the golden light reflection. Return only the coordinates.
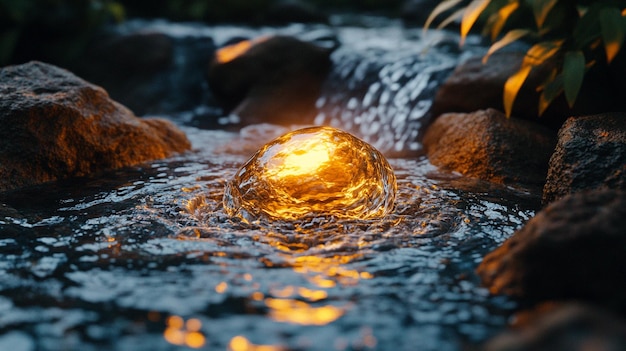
(326, 272)
(221, 287)
(240, 343)
(302, 313)
(301, 158)
(231, 52)
(313, 172)
(184, 333)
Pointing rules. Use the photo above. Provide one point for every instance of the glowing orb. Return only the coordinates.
(313, 172)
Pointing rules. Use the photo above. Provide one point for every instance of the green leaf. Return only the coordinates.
(510, 37)
(541, 8)
(439, 9)
(551, 90)
(472, 11)
(512, 87)
(587, 29)
(611, 23)
(117, 11)
(573, 74)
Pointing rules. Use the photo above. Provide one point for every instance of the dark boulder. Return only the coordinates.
(148, 67)
(56, 125)
(590, 154)
(575, 248)
(487, 145)
(566, 327)
(474, 86)
(270, 79)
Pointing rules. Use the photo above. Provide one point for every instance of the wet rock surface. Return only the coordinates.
(487, 145)
(273, 79)
(567, 327)
(573, 249)
(590, 154)
(474, 86)
(56, 125)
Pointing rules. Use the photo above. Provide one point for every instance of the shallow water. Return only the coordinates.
(104, 263)
(145, 258)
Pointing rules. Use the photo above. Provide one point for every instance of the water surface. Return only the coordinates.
(145, 258)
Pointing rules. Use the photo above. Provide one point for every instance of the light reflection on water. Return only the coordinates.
(89, 264)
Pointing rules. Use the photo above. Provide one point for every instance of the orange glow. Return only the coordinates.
(301, 159)
(193, 324)
(330, 270)
(239, 343)
(175, 322)
(231, 52)
(317, 171)
(312, 295)
(194, 340)
(174, 336)
(284, 292)
(179, 332)
(300, 312)
(221, 287)
(257, 296)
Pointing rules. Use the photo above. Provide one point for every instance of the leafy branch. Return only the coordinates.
(575, 34)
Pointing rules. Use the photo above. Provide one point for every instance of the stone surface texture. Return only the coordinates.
(147, 68)
(590, 154)
(564, 327)
(487, 145)
(275, 80)
(575, 248)
(56, 125)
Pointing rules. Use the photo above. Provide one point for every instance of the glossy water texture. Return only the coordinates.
(312, 173)
(147, 259)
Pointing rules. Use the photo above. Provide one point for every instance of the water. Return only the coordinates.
(145, 258)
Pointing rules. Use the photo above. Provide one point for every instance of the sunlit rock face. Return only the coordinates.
(313, 172)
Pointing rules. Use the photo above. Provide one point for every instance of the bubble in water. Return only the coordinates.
(313, 172)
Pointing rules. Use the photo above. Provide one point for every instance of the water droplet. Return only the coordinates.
(313, 172)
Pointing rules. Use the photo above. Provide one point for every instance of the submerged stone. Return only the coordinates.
(313, 172)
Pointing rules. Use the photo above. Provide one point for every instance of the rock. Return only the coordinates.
(575, 248)
(487, 145)
(56, 125)
(590, 154)
(149, 68)
(474, 86)
(567, 327)
(270, 79)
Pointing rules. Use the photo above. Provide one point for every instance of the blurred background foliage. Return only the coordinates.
(57, 31)
(54, 30)
(570, 37)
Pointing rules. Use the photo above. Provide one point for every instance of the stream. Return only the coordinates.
(145, 258)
